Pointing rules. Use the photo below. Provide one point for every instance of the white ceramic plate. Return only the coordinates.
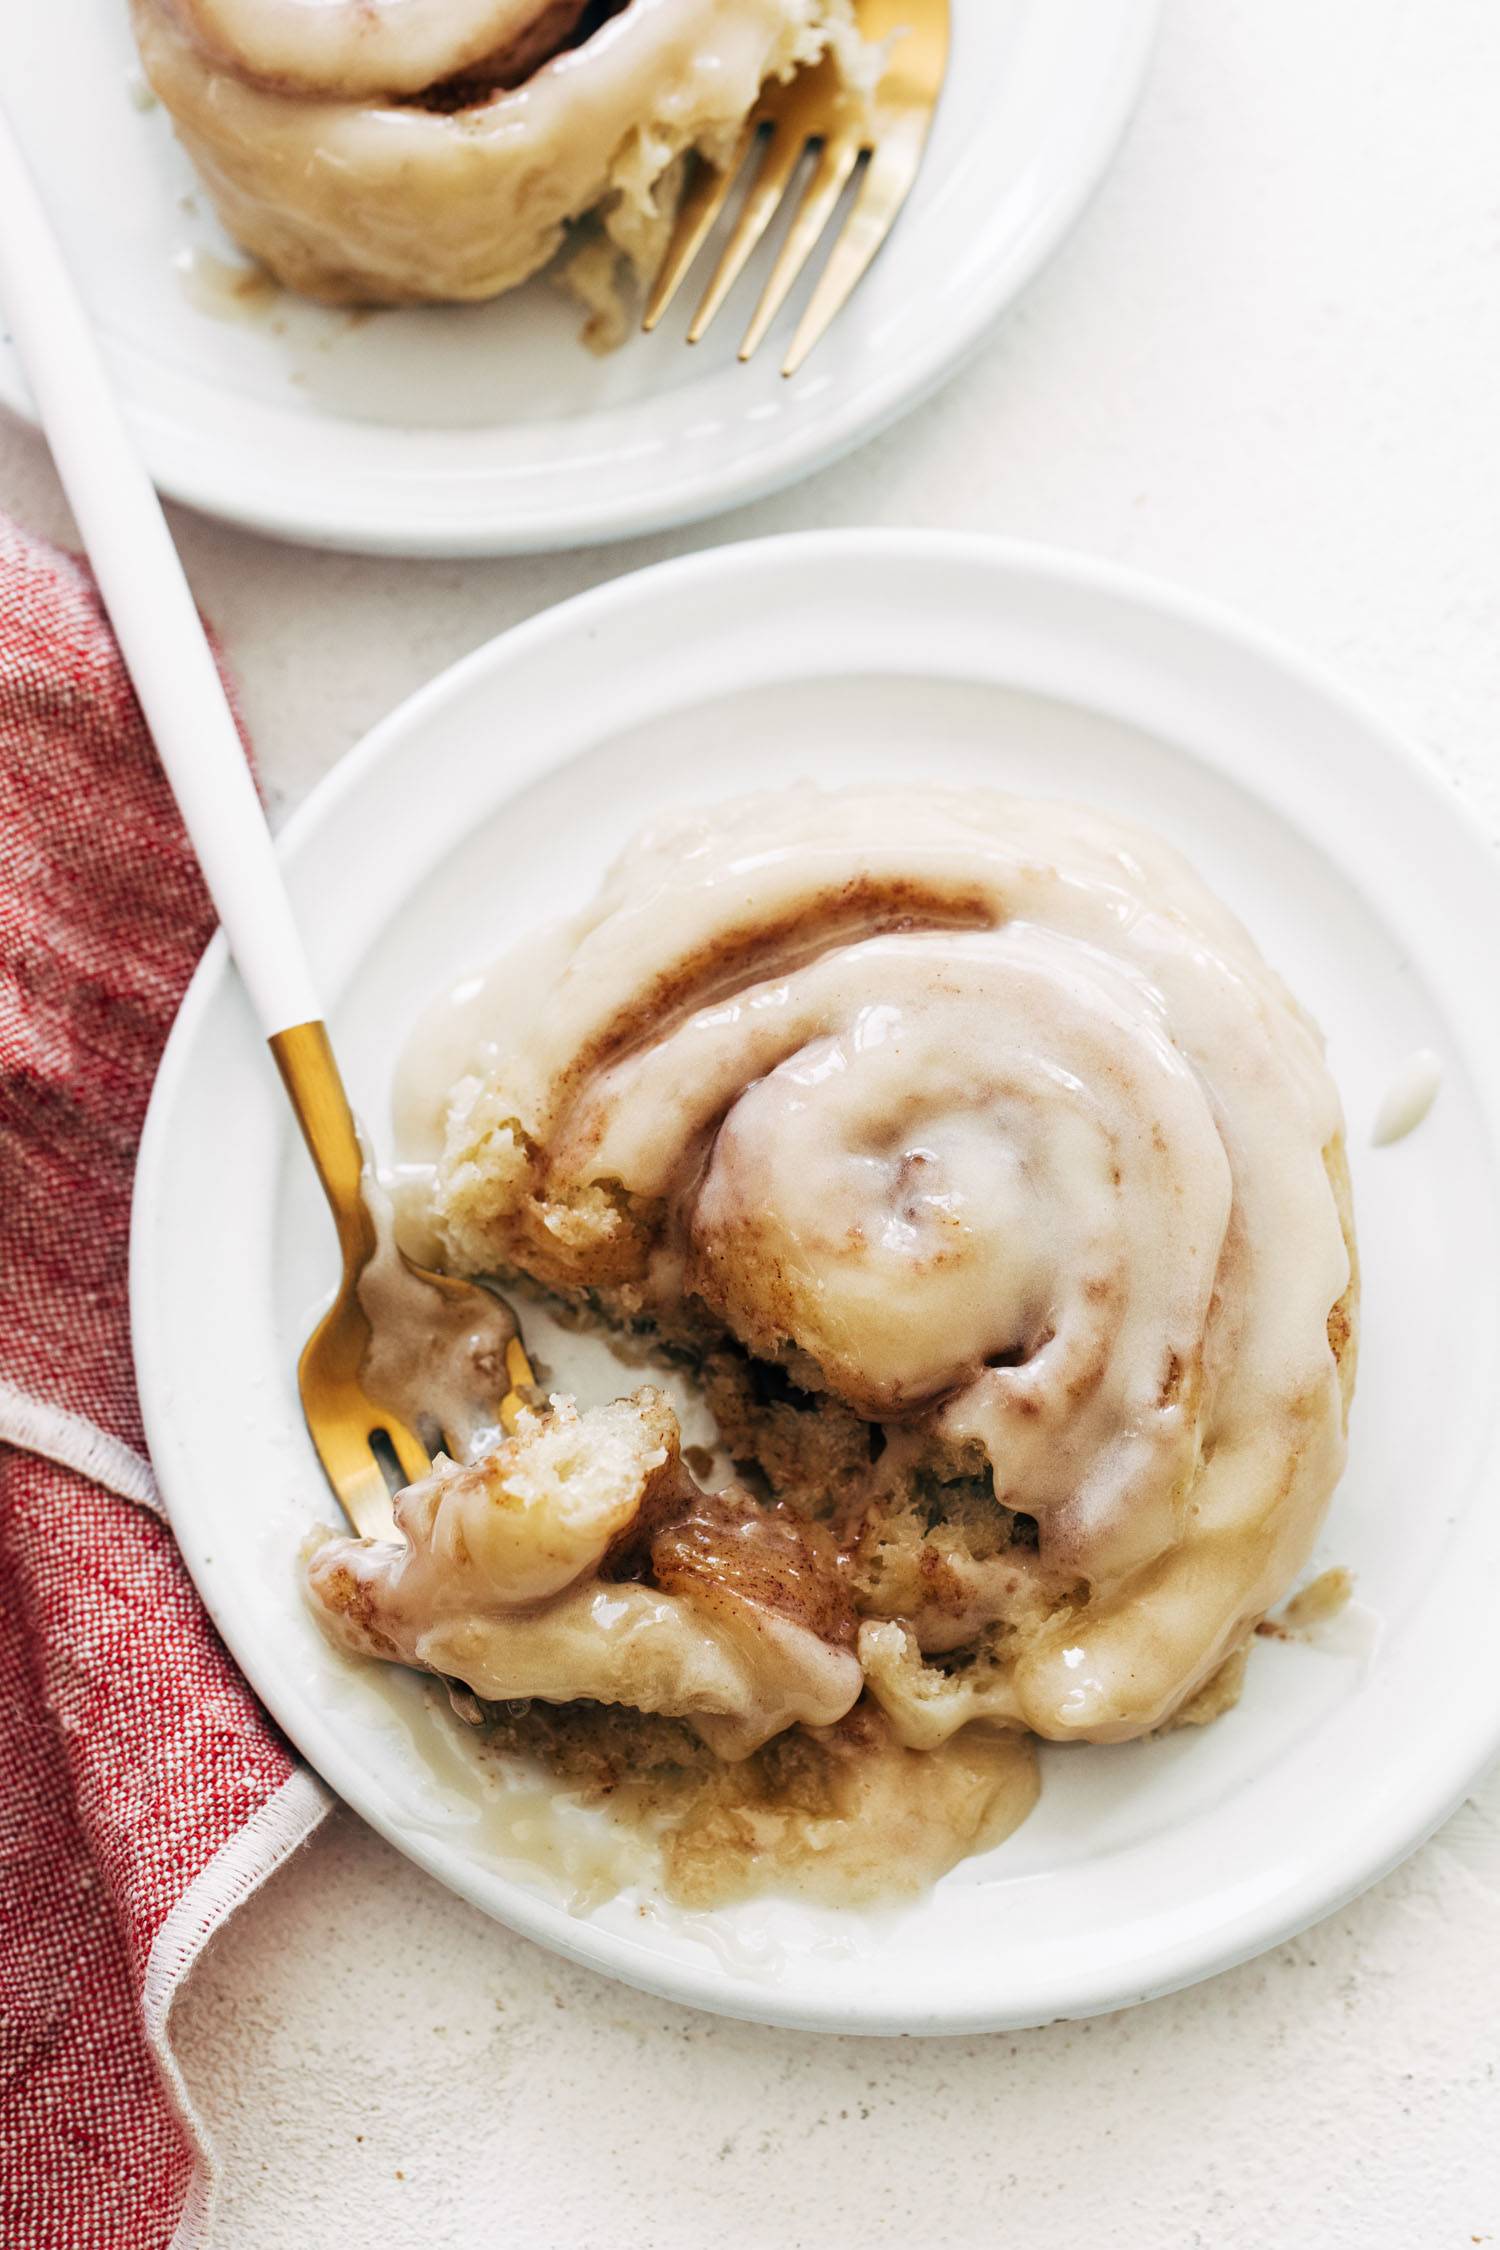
(492, 431)
(495, 798)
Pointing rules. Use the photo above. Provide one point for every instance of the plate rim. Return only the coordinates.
(1462, 1755)
(184, 468)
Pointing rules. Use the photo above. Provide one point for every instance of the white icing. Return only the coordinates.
(1408, 1098)
(224, 289)
(437, 1350)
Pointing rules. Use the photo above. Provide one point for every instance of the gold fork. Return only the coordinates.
(814, 115)
(169, 660)
(343, 1419)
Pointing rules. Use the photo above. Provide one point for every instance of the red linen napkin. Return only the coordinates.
(143, 1793)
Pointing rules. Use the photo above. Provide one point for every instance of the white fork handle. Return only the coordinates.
(149, 603)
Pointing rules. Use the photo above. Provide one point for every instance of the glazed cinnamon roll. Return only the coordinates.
(399, 151)
(994, 1188)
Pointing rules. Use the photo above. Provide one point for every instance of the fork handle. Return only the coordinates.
(315, 1090)
(149, 602)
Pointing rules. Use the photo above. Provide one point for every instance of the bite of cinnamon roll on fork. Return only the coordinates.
(688, 1655)
(387, 152)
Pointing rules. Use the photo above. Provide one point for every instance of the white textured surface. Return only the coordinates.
(1267, 366)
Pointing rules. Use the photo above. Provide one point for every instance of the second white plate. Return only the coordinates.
(493, 801)
(492, 430)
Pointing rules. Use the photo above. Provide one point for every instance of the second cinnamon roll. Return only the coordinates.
(405, 151)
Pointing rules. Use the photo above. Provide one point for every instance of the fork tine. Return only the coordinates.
(894, 164)
(408, 1449)
(783, 153)
(343, 1446)
(365, 1498)
(703, 199)
(829, 177)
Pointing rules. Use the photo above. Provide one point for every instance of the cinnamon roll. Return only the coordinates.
(401, 151)
(994, 1187)
(969, 1156)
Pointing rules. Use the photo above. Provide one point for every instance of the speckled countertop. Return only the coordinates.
(1267, 365)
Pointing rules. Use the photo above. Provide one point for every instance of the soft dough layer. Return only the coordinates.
(988, 1124)
(396, 151)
